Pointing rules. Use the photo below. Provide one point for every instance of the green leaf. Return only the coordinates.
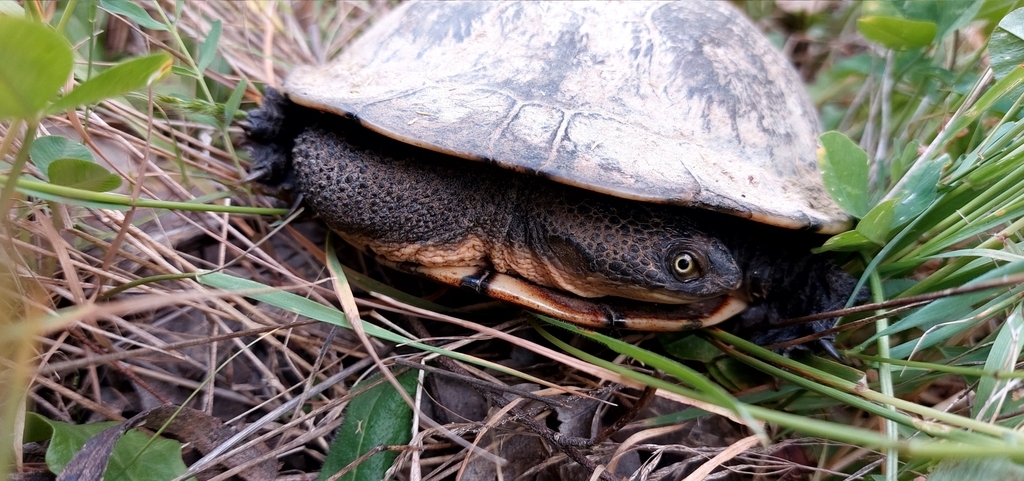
(377, 417)
(82, 174)
(124, 77)
(918, 191)
(35, 61)
(183, 72)
(1006, 47)
(737, 374)
(49, 148)
(977, 469)
(689, 347)
(133, 11)
(849, 241)
(876, 225)
(897, 33)
(136, 456)
(947, 15)
(231, 106)
(900, 165)
(722, 378)
(208, 50)
(1001, 359)
(844, 168)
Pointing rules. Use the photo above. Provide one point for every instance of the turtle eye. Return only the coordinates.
(684, 266)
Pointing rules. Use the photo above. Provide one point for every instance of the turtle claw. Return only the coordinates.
(297, 205)
(827, 346)
(256, 175)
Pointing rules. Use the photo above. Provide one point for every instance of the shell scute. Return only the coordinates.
(682, 103)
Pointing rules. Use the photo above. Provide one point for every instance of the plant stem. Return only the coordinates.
(9, 138)
(64, 17)
(45, 189)
(7, 194)
(815, 379)
(885, 383)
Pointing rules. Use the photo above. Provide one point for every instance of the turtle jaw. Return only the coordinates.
(646, 294)
(602, 312)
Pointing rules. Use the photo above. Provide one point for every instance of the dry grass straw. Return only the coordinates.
(165, 338)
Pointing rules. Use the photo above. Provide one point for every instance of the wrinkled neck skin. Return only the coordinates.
(596, 245)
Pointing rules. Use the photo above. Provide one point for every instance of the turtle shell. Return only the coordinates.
(683, 103)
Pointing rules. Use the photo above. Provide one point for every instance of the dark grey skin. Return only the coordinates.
(385, 195)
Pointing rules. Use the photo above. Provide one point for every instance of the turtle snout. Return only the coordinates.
(722, 273)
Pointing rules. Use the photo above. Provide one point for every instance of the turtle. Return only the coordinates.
(634, 165)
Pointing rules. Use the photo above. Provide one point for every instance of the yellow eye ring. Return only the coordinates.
(684, 266)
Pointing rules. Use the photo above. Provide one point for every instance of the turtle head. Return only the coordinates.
(625, 249)
(682, 266)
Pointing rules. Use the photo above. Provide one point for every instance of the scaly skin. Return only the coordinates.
(412, 205)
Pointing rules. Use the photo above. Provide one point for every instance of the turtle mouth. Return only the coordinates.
(657, 295)
(667, 295)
